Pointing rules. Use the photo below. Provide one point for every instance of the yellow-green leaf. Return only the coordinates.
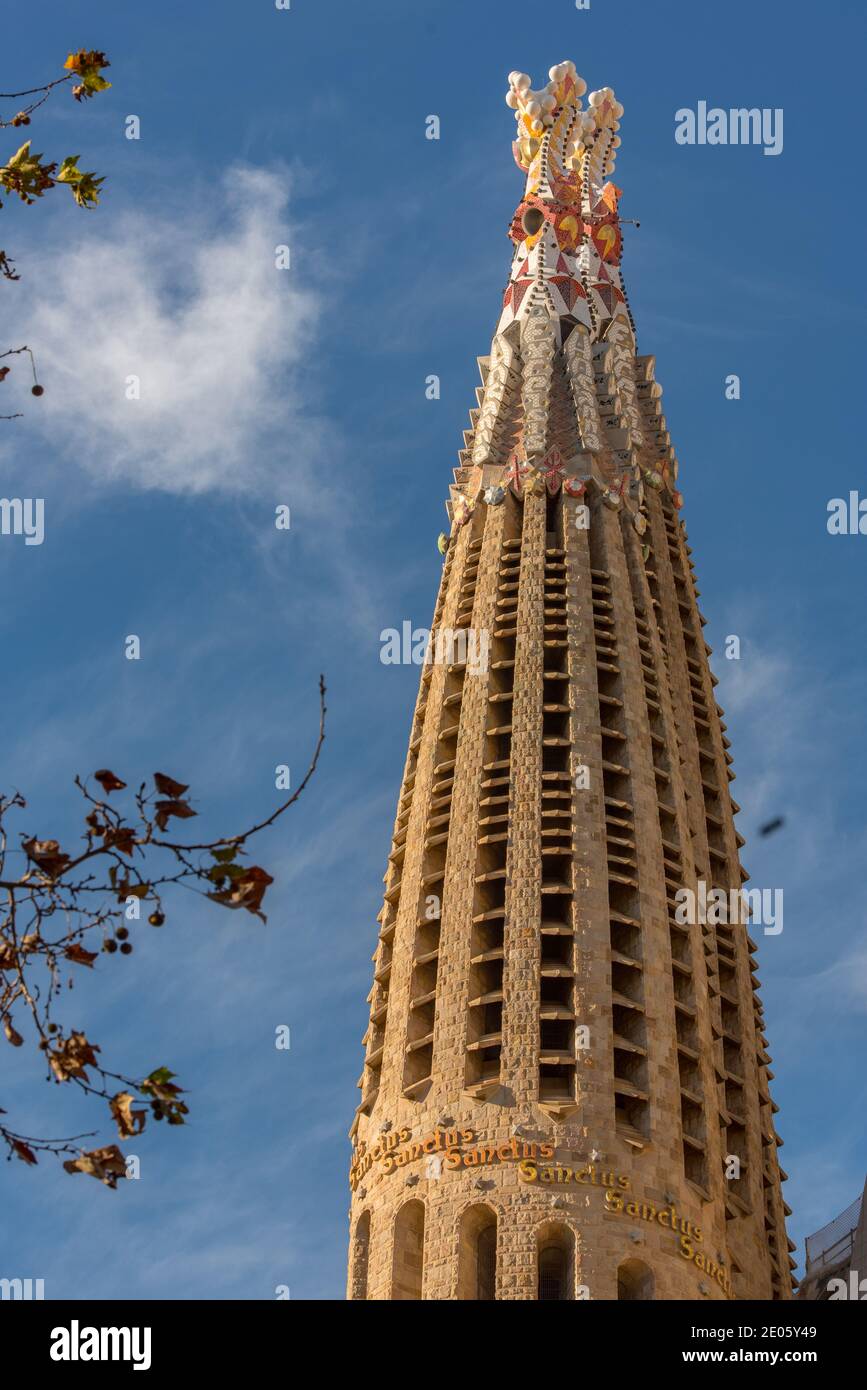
(85, 186)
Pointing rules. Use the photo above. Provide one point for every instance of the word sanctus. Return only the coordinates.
(619, 1203)
(393, 1151)
(690, 1234)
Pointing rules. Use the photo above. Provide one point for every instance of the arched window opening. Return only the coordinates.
(554, 1262)
(634, 1281)
(407, 1268)
(477, 1254)
(360, 1256)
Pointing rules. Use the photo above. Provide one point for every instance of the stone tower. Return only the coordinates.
(565, 1085)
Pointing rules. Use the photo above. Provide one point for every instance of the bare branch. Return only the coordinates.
(56, 920)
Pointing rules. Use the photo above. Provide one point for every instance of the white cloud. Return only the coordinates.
(845, 982)
(191, 302)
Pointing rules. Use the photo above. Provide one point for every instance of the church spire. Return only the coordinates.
(565, 1091)
(565, 326)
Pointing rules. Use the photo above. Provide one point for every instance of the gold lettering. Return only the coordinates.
(527, 1171)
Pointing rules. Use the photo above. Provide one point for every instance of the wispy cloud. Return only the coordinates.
(192, 304)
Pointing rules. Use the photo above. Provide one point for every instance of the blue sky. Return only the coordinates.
(306, 387)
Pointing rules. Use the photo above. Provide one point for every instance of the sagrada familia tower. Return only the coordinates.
(565, 1085)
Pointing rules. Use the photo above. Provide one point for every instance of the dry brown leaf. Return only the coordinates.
(79, 955)
(46, 855)
(166, 809)
(70, 1057)
(12, 1033)
(107, 1164)
(246, 890)
(167, 786)
(108, 781)
(120, 837)
(129, 1121)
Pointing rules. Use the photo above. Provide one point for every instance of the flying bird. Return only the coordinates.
(772, 825)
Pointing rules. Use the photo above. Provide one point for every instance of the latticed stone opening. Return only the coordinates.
(631, 1099)
(556, 937)
(487, 950)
